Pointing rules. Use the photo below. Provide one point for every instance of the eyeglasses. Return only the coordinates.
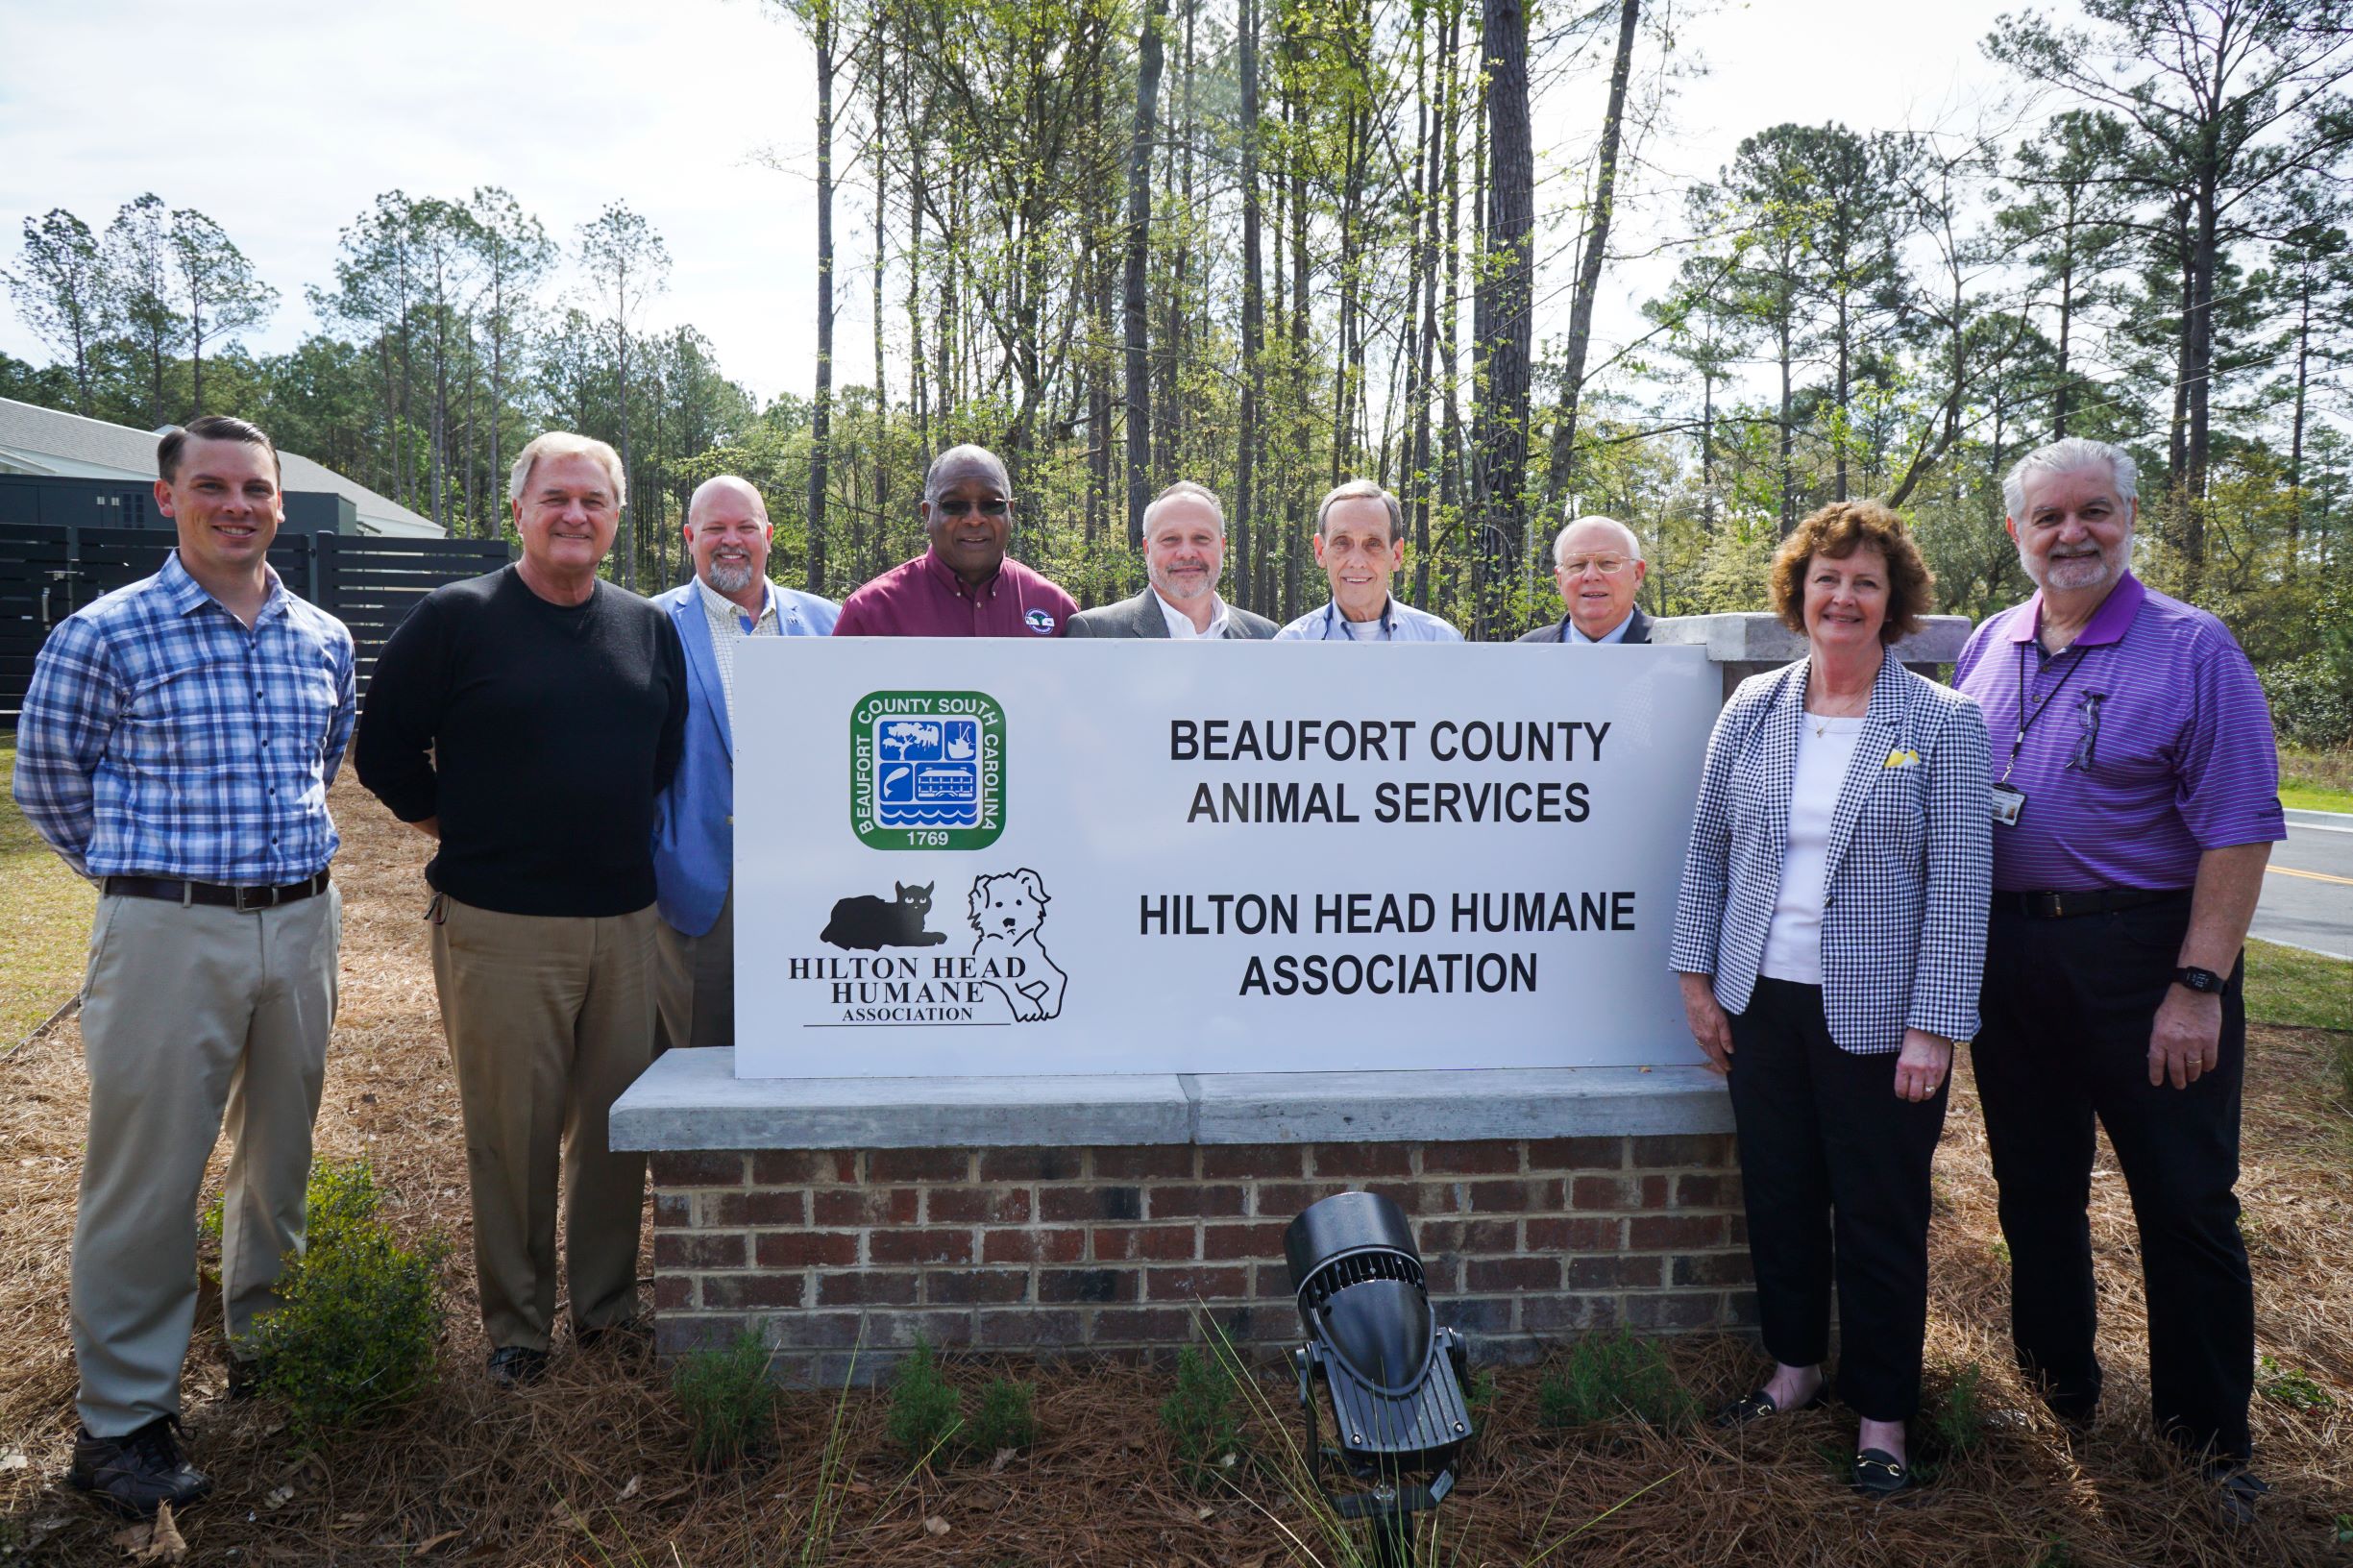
(957, 506)
(2087, 736)
(1608, 566)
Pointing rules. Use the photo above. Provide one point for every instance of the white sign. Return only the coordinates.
(991, 857)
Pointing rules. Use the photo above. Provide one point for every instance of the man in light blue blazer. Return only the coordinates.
(727, 534)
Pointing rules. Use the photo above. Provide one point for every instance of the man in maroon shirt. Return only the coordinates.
(963, 586)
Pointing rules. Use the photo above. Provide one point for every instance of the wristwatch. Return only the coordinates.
(2205, 982)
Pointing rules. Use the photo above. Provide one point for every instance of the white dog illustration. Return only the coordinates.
(1007, 911)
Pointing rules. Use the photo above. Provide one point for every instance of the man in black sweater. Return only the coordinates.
(528, 720)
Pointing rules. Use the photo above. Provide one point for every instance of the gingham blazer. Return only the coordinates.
(1910, 858)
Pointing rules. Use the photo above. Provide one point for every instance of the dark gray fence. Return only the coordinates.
(48, 572)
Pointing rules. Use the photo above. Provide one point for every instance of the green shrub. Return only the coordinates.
(1607, 1376)
(1960, 1419)
(1005, 1419)
(353, 1336)
(727, 1399)
(2311, 698)
(1201, 1420)
(926, 1408)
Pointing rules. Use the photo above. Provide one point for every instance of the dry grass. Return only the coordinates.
(45, 910)
(2317, 780)
(592, 1467)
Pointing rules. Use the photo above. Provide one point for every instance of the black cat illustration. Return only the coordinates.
(867, 921)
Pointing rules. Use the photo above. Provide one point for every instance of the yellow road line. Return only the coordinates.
(2315, 877)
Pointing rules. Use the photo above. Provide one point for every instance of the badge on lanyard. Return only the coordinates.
(2008, 801)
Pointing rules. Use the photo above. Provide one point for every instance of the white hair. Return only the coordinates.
(1362, 490)
(565, 444)
(1185, 490)
(2066, 457)
(1561, 540)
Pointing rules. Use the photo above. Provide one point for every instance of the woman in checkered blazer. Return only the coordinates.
(1830, 939)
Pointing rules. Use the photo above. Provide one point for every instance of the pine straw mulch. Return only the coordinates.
(591, 1468)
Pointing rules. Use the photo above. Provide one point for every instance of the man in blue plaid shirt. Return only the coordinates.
(176, 746)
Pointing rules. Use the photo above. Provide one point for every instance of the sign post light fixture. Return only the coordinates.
(1391, 1380)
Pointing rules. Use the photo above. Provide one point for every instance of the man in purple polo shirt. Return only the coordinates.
(963, 586)
(2136, 801)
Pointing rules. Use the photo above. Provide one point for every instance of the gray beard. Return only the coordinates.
(731, 579)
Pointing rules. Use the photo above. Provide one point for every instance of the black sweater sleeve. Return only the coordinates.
(672, 746)
(393, 750)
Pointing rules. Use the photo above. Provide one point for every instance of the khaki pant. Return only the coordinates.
(698, 994)
(549, 1019)
(191, 1013)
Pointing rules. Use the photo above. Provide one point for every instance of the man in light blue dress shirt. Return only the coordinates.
(1360, 542)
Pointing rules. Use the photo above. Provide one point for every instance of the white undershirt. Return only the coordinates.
(1181, 625)
(1364, 631)
(1793, 942)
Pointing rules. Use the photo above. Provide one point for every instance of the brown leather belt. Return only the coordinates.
(2063, 906)
(244, 900)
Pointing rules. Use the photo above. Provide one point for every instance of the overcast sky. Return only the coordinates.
(284, 119)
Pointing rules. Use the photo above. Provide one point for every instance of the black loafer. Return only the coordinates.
(2237, 1491)
(1759, 1404)
(1878, 1473)
(516, 1366)
(136, 1472)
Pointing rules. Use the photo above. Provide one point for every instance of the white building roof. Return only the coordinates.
(38, 440)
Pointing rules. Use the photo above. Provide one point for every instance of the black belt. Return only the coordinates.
(2062, 906)
(245, 901)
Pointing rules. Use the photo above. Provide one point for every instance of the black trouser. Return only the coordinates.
(1828, 1152)
(2068, 1009)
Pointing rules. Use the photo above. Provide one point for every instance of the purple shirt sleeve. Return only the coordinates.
(2229, 766)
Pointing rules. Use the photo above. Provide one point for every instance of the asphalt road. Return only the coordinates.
(2308, 891)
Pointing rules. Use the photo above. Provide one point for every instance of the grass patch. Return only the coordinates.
(1959, 1417)
(2315, 780)
(728, 1402)
(2290, 986)
(1611, 1377)
(46, 910)
(1199, 1413)
(1005, 1420)
(2287, 1386)
(926, 1408)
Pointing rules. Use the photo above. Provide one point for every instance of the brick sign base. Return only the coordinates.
(1124, 1251)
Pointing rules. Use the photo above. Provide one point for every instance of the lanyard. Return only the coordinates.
(1388, 633)
(2025, 720)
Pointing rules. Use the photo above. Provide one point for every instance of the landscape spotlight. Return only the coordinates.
(1394, 1380)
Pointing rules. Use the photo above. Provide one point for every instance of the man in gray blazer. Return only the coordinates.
(1184, 552)
(1597, 566)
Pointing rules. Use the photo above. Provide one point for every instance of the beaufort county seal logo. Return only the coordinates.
(926, 770)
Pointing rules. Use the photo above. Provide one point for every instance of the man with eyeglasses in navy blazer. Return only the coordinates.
(1598, 565)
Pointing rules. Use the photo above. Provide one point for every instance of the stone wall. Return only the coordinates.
(1120, 1250)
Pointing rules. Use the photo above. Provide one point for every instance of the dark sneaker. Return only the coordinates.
(2237, 1491)
(245, 1375)
(516, 1366)
(135, 1473)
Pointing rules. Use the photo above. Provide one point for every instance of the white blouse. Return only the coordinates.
(1793, 942)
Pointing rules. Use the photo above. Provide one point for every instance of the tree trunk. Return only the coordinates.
(1589, 263)
(882, 364)
(1138, 243)
(1246, 543)
(1500, 309)
(821, 407)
